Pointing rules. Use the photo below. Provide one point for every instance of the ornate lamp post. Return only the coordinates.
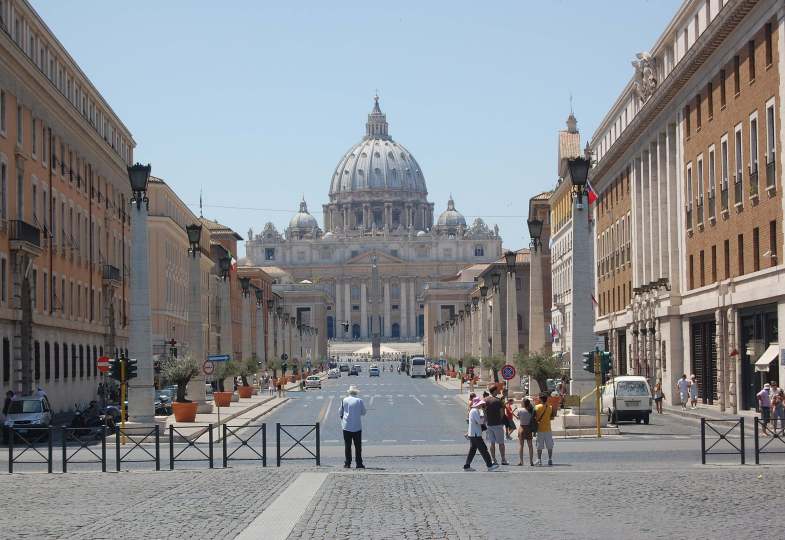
(270, 349)
(245, 305)
(579, 176)
(196, 387)
(537, 340)
(512, 307)
(484, 338)
(496, 315)
(261, 353)
(141, 406)
(227, 345)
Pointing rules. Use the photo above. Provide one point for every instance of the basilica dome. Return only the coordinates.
(451, 217)
(377, 163)
(303, 222)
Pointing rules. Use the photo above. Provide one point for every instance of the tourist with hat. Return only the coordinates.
(351, 412)
(476, 427)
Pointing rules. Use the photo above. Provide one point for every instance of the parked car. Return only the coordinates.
(27, 413)
(334, 374)
(313, 381)
(373, 371)
(358, 367)
(344, 367)
(354, 371)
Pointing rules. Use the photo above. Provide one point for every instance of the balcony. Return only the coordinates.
(771, 181)
(712, 206)
(111, 275)
(754, 181)
(688, 218)
(699, 208)
(24, 237)
(724, 197)
(738, 190)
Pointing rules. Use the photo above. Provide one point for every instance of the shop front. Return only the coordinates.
(704, 358)
(758, 352)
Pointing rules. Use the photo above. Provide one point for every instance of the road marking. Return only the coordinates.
(446, 440)
(418, 440)
(372, 398)
(278, 520)
(332, 440)
(365, 440)
(415, 399)
(389, 440)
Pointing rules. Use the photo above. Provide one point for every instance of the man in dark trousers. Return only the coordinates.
(351, 412)
(494, 418)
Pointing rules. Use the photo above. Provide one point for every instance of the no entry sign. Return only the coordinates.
(508, 372)
(103, 364)
(208, 367)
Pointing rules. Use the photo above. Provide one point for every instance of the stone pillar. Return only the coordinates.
(721, 364)
(140, 345)
(413, 308)
(484, 328)
(512, 319)
(196, 387)
(363, 311)
(536, 303)
(338, 314)
(403, 309)
(387, 313)
(226, 327)
(460, 335)
(347, 297)
(261, 353)
(733, 367)
(469, 332)
(245, 304)
(496, 324)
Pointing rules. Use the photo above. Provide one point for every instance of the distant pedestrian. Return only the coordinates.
(351, 412)
(543, 414)
(474, 435)
(693, 392)
(764, 403)
(494, 418)
(525, 435)
(658, 396)
(778, 409)
(683, 388)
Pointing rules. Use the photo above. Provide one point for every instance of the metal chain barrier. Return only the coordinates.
(244, 443)
(722, 436)
(298, 441)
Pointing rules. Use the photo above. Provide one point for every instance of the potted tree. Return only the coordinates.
(224, 371)
(246, 368)
(180, 371)
(494, 363)
(540, 366)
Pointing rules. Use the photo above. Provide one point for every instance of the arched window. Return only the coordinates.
(81, 361)
(396, 330)
(57, 361)
(37, 361)
(47, 362)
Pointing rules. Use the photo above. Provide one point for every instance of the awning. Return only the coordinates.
(766, 358)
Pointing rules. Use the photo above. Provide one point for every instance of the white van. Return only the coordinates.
(627, 397)
(417, 367)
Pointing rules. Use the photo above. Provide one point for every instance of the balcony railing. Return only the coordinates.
(111, 273)
(738, 189)
(754, 180)
(20, 231)
(700, 210)
(689, 217)
(770, 171)
(712, 205)
(724, 196)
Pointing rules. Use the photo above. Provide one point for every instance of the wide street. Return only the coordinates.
(413, 487)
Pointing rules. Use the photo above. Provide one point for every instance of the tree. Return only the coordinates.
(540, 366)
(494, 363)
(224, 370)
(180, 371)
(247, 367)
(274, 364)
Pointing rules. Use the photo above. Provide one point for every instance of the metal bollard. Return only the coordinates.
(117, 457)
(278, 444)
(64, 430)
(49, 449)
(103, 449)
(757, 442)
(264, 445)
(703, 441)
(210, 439)
(318, 446)
(157, 447)
(741, 428)
(171, 448)
(225, 431)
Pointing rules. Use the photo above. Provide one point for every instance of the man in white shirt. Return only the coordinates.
(351, 412)
(683, 386)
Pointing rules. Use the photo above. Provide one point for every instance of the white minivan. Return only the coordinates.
(417, 367)
(627, 397)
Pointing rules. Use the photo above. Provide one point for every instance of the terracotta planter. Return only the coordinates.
(184, 412)
(245, 391)
(255, 391)
(222, 399)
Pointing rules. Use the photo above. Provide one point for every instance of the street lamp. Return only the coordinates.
(196, 388)
(509, 258)
(535, 231)
(483, 290)
(495, 279)
(579, 176)
(194, 234)
(475, 301)
(139, 175)
(245, 285)
(259, 296)
(224, 263)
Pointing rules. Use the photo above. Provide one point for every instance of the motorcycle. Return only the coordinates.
(88, 424)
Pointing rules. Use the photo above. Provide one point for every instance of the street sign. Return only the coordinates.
(103, 364)
(284, 357)
(508, 372)
(218, 357)
(208, 367)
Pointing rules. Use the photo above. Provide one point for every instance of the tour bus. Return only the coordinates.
(417, 367)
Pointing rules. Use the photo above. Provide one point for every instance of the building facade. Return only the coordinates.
(377, 211)
(689, 157)
(64, 227)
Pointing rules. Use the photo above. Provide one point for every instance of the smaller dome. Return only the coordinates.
(328, 236)
(302, 220)
(420, 233)
(451, 217)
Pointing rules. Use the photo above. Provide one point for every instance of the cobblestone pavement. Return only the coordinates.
(179, 504)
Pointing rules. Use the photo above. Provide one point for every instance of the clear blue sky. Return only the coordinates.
(256, 104)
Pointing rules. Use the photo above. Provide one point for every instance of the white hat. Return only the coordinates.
(353, 390)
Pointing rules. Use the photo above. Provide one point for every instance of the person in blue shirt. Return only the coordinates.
(351, 412)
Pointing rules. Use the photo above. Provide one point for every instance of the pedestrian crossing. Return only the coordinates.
(370, 398)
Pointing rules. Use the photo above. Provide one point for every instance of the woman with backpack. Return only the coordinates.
(525, 416)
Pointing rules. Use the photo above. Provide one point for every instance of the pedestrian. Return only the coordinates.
(525, 435)
(471, 401)
(658, 396)
(683, 388)
(778, 409)
(543, 414)
(474, 435)
(508, 419)
(351, 412)
(9, 397)
(494, 418)
(764, 402)
(693, 392)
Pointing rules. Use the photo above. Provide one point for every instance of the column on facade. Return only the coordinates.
(196, 387)
(387, 310)
(363, 310)
(654, 224)
(469, 347)
(656, 338)
(338, 316)
(347, 297)
(227, 344)
(460, 335)
(245, 305)
(413, 308)
(512, 318)
(484, 328)
(536, 304)
(496, 324)
(662, 208)
(719, 343)
(674, 209)
(403, 309)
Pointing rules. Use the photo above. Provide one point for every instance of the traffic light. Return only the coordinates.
(130, 369)
(114, 368)
(606, 362)
(588, 361)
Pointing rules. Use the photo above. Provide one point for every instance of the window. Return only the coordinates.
(689, 197)
(47, 362)
(751, 59)
(3, 191)
(701, 189)
(726, 254)
(755, 249)
(740, 253)
(35, 137)
(19, 124)
(722, 88)
(712, 183)
(739, 161)
(698, 112)
(3, 280)
(769, 46)
(770, 136)
(713, 264)
(479, 251)
(57, 360)
(702, 268)
(736, 75)
(37, 361)
(2, 112)
(65, 361)
(710, 100)
(691, 274)
(687, 119)
(6, 360)
(724, 171)
(754, 144)
(773, 243)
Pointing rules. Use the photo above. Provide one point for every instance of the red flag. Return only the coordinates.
(591, 195)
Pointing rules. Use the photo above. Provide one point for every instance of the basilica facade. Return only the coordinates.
(378, 212)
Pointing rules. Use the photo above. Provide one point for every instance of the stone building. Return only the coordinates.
(688, 167)
(377, 210)
(64, 225)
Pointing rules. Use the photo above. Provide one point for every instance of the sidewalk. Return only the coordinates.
(710, 412)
